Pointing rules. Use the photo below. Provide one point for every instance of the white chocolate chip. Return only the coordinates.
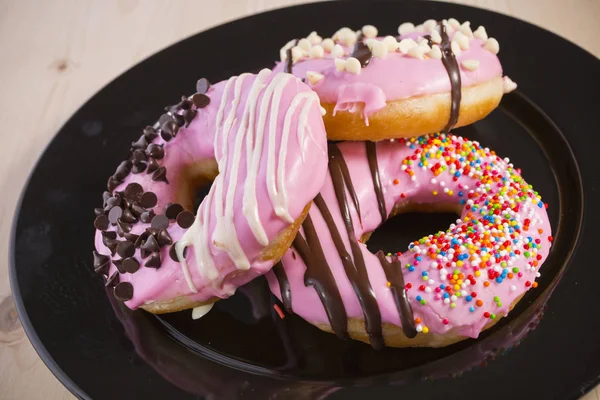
(492, 45)
(420, 28)
(391, 43)
(314, 77)
(371, 42)
(480, 33)
(462, 40)
(471, 65)
(314, 38)
(297, 53)
(454, 24)
(337, 51)
(425, 47)
(284, 49)
(346, 36)
(465, 28)
(379, 49)
(436, 37)
(417, 52)
(304, 44)
(423, 41)
(328, 44)
(323, 111)
(406, 45)
(316, 52)
(353, 65)
(340, 64)
(508, 84)
(435, 52)
(429, 25)
(407, 27)
(369, 31)
(455, 47)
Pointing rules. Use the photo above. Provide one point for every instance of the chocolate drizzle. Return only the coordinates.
(289, 62)
(284, 286)
(334, 152)
(354, 266)
(372, 158)
(451, 65)
(393, 273)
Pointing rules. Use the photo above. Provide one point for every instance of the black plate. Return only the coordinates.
(99, 349)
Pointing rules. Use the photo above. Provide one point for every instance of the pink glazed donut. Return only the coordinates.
(259, 141)
(447, 286)
(431, 78)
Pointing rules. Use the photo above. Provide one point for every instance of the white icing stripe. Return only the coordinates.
(280, 210)
(301, 124)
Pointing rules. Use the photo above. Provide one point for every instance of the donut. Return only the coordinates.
(259, 142)
(431, 78)
(447, 286)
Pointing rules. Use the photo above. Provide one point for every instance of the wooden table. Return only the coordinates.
(57, 54)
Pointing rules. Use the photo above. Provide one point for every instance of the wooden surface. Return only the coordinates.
(57, 54)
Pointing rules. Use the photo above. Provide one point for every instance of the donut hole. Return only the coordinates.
(194, 183)
(410, 222)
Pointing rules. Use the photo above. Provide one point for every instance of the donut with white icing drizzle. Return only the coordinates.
(259, 142)
(447, 286)
(430, 78)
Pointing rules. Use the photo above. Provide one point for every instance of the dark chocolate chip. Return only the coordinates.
(152, 231)
(362, 53)
(109, 235)
(141, 144)
(123, 227)
(188, 116)
(160, 175)
(150, 133)
(173, 253)
(185, 103)
(164, 119)
(151, 245)
(202, 85)
(173, 209)
(137, 209)
(152, 165)
(164, 238)
(105, 196)
(101, 263)
(111, 244)
(113, 280)
(147, 216)
(141, 239)
(124, 291)
(160, 222)
(114, 214)
(139, 155)
(119, 265)
(138, 167)
(132, 237)
(134, 191)
(98, 211)
(123, 170)
(112, 183)
(125, 249)
(112, 202)
(185, 219)
(101, 222)
(148, 200)
(178, 120)
(144, 253)
(170, 127)
(128, 217)
(154, 261)
(200, 100)
(156, 151)
(166, 136)
(131, 265)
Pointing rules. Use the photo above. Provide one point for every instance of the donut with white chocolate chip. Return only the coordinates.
(259, 142)
(430, 78)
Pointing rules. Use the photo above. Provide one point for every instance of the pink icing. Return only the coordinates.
(305, 169)
(394, 77)
(400, 188)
